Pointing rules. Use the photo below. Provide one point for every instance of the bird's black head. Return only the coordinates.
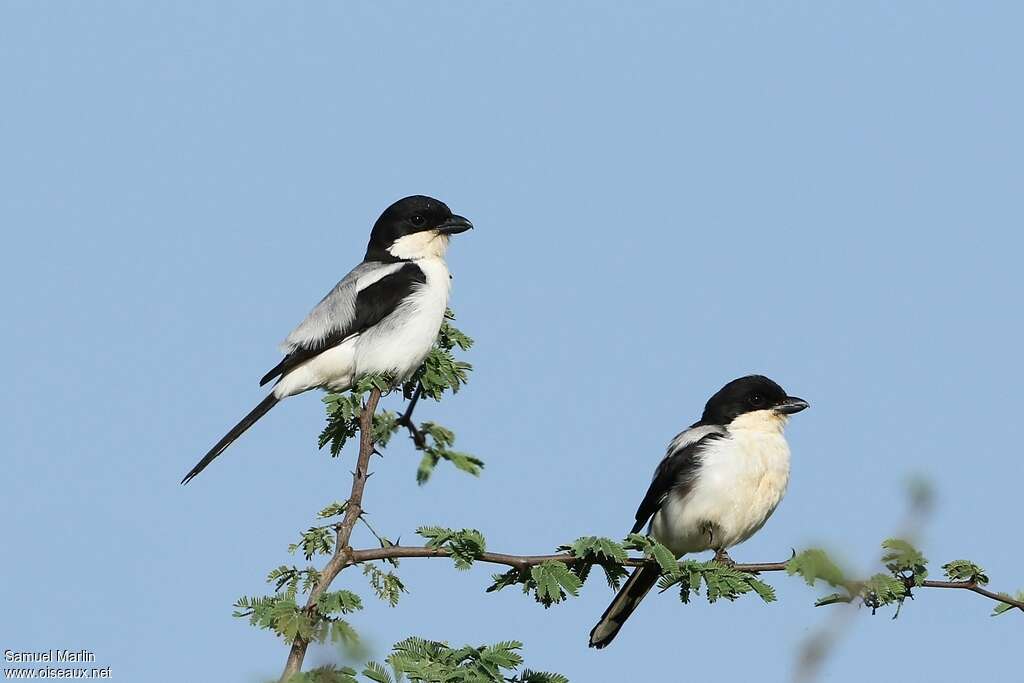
(413, 227)
(747, 395)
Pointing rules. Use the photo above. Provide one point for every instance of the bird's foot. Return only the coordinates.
(722, 557)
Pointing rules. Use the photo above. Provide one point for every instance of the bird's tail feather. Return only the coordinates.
(248, 421)
(626, 600)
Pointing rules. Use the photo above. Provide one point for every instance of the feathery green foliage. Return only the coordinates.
(386, 585)
(907, 568)
(429, 661)
(550, 582)
(438, 443)
(342, 420)
(343, 414)
(814, 564)
(905, 561)
(335, 509)
(720, 581)
(465, 545)
(965, 570)
(316, 540)
(439, 373)
(417, 659)
(655, 552)
(326, 674)
(883, 589)
(597, 550)
(1002, 607)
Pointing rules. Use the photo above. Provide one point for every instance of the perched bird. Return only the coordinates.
(719, 482)
(383, 317)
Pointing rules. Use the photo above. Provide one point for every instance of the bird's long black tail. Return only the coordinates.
(629, 596)
(248, 421)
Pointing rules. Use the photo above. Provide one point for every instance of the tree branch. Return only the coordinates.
(523, 562)
(342, 550)
(517, 561)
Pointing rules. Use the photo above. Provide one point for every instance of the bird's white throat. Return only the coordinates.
(764, 421)
(426, 244)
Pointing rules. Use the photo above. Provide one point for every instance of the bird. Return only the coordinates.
(719, 482)
(382, 317)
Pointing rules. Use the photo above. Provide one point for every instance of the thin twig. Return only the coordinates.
(974, 587)
(362, 518)
(342, 550)
(406, 419)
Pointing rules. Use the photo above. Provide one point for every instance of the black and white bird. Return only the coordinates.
(719, 482)
(383, 317)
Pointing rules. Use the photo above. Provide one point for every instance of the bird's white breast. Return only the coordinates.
(400, 342)
(742, 479)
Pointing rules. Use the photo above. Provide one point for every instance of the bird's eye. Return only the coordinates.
(417, 220)
(755, 400)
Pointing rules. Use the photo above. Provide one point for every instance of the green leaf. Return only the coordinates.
(431, 661)
(904, 560)
(342, 420)
(377, 673)
(335, 509)
(553, 580)
(337, 602)
(502, 655)
(763, 590)
(510, 578)
(380, 381)
(385, 424)
(284, 576)
(427, 464)
(601, 551)
(465, 545)
(1002, 607)
(719, 580)
(597, 549)
(386, 585)
(439, 440)
(881, 590)
(440, 371)
(529, 676)
(342, 633)
(814, 564)
(653, 550)
(325, 674)
(289, 621)
(317, 540)
(833, 598)
(965, 570)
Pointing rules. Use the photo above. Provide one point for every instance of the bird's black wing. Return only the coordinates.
(373, 304)
(677, 471)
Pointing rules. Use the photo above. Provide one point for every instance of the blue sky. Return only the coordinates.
(666, 196)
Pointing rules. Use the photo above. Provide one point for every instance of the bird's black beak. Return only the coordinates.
(454, 225)
(791, 404)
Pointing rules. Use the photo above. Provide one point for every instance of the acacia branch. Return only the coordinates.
(524, 562)
(342, 550)
(521, 561)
